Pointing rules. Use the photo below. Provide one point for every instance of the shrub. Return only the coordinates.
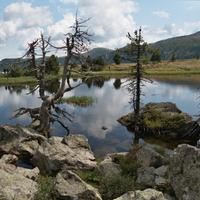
(16, 71)
(52, 65)
(114, 185)
(46, 189)
(97, 68)
(128, 163)
(84, 67)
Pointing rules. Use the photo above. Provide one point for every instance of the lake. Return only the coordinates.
(111, 102)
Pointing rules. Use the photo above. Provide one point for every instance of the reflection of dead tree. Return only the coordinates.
(75, 43)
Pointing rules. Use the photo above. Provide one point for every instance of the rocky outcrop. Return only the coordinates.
(18, 140)
(68, 153)
(59, 156)
(148, 194)
(163, 120)
(70, 186)
(184, 172)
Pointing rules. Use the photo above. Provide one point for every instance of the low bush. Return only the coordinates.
(114, 185)
(46, 189)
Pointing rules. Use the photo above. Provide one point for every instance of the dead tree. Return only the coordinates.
(75, 43)
(134, 52)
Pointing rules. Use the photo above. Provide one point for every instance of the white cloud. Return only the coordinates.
(161, 14)
(190, 8)
(173, 29)
(69, 1)
(22, 23)
(29, 16)
(57, 30)
(110, 20)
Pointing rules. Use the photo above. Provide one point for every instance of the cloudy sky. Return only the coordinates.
(22, 21)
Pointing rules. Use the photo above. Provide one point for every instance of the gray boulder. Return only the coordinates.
(18, 140)
(151, 177)
(184, 172)
(108, 166)
(16, 182)
(71, 152)
(148, 157)
(8, 162)
(70, 186)
(147, 194)
(146, 175)
(16, 186)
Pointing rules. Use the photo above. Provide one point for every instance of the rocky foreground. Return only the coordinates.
(62, 157)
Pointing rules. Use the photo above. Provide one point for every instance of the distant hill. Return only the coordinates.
(94, 53)
(185, 47)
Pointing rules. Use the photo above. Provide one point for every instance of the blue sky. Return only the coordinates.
(22, 21)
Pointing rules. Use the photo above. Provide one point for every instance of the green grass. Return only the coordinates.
(78, 100)
(156, 120)
(179, 67)
(17, 80)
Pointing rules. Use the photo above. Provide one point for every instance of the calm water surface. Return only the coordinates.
(111, 102)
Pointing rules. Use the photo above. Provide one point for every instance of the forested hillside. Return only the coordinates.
(185, 47)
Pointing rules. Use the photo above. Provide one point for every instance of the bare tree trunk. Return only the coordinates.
(48, 112)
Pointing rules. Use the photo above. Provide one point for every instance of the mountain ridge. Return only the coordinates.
(185, 47)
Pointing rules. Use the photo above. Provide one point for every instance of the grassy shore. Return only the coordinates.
(180, 67)
(165, 68)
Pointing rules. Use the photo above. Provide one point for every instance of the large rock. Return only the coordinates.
(8, 162)
(148, 194)
(18, 140)
(184, 172)
(108, 166)
(71, 152)
(16, 186)
(70, 186)
(148, 157)
(151, 177)
(16, 182)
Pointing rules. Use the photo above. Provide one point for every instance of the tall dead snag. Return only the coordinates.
(75, 43)
(134, 52)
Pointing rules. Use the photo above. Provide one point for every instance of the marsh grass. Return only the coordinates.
(78, 100)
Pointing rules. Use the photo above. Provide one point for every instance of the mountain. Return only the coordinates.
(185, 47)
(94, 53)
(106, 54)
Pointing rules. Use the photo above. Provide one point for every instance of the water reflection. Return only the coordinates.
(111, 103)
